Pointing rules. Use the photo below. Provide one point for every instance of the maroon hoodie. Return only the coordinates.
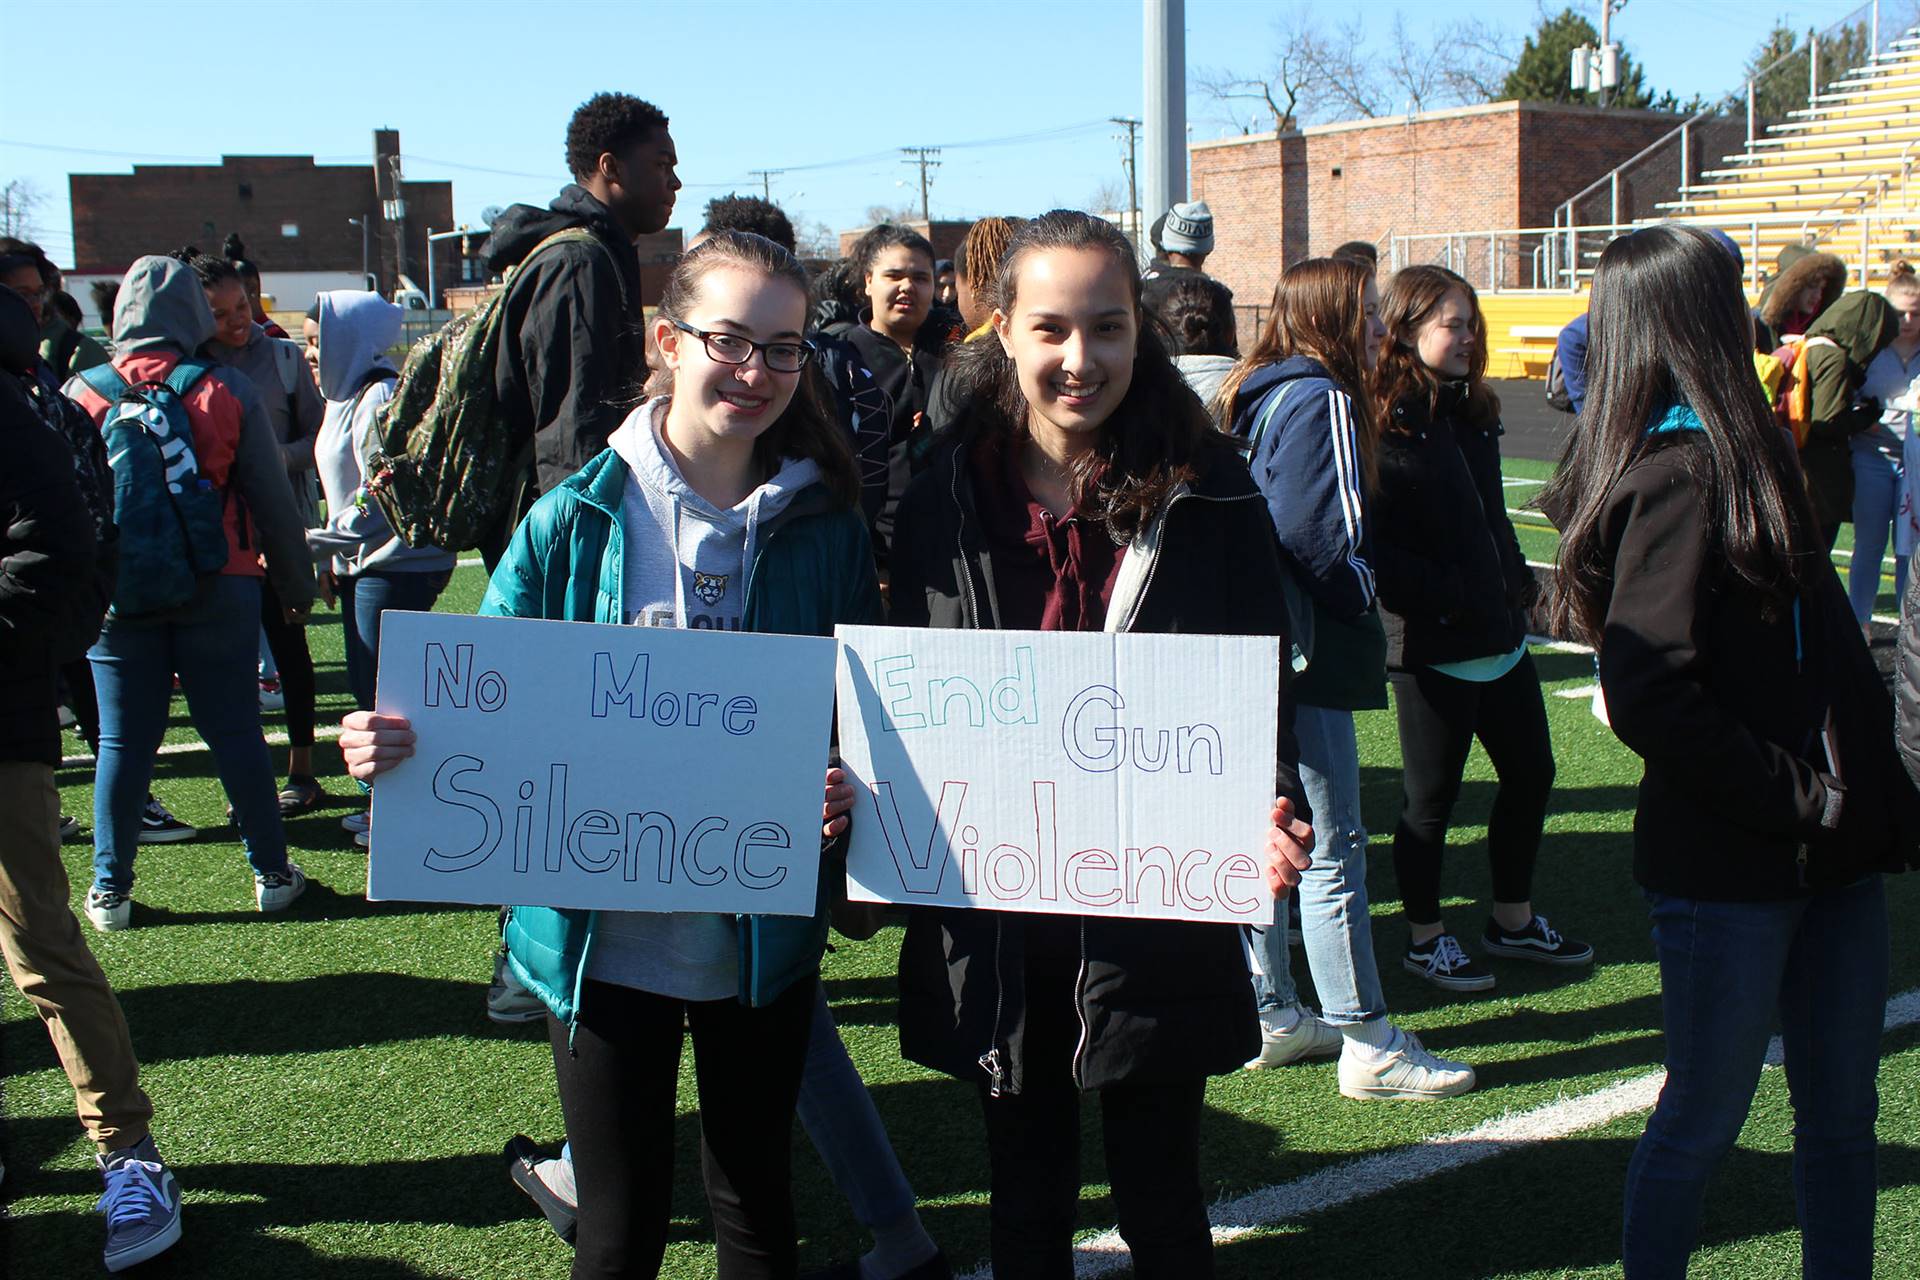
(1050, 573)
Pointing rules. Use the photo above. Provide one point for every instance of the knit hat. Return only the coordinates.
(1185, 228)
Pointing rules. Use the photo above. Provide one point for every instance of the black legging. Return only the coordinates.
(1152, 1133)
(1440, 715)
(617, 1085)
(78, 675)
(290, 653)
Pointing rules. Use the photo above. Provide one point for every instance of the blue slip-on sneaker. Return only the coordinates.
(142, 1204)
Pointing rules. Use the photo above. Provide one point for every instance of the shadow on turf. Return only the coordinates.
(319, 902)
(1513, 1215)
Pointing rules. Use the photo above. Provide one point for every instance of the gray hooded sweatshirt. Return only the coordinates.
(356, 329)
(280, 373)
(162, 310)
(685, 565)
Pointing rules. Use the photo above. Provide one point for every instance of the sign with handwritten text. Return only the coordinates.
(1064, 772)
(572, 764)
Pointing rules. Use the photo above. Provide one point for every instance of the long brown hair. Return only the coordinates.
(1320, 311)
(1412, 296)
(1159, 433)
(804, 429)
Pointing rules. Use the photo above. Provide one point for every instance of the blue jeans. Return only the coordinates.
(1333, 891)
(1726, 968)
(845, 1129)
(363, 598)
(213, 645)
(1876, 500)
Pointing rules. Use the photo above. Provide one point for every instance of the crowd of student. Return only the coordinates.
(1034, 435)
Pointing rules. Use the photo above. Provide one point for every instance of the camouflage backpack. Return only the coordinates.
(441, 459)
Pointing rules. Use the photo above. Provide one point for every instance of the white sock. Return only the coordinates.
(1375, 1038)
(1282, 1020)
(898, 1247)
(557, 1174)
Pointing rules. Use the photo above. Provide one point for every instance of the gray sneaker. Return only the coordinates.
(142, 1204)
(509, 1003)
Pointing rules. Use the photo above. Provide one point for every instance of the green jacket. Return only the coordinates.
(813, 570)
(1860, 325)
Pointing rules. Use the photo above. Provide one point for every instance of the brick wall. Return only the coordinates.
(1276, 200)
(158, 208)
(945, 236)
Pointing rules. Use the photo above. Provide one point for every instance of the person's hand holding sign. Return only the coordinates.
(1289, 848)
(839, 801)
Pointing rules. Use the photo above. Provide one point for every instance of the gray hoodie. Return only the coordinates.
(279, 371)
(356, 329)
(162, 311)
(685, 565)
(685, 557)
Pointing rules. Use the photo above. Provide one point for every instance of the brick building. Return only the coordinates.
(1279, 198)
(292, 214)
(945, 236)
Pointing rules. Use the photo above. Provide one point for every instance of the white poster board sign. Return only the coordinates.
(1060, 772)
(571, 764)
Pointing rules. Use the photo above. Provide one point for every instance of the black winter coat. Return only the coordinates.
(906, 383)
(1156, 999)
(1769, 769)
(1453, 584)
(51, 600)
(575, 355)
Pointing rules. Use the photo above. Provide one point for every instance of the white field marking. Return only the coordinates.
(325, 731)
(1557, 646)
(1352, 1180)
(1514, 482)
(1583, 693)
(469, 562)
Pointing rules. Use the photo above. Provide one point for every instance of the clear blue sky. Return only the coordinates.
(481, 89)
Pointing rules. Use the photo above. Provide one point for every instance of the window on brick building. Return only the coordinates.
(289, 229)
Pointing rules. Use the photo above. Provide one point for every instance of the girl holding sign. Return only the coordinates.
(1084, 489)
(1772, 795)
(1300, 400)
(729, 504)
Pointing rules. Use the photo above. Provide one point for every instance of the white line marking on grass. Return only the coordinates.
(469, 562)
(1515, 482)
(1581, 693)
(323, 732)
(1352, 1180)
(1557, 646)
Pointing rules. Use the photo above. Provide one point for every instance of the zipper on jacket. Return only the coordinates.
(991, 1061)
(960, 553)
(1080, 1009)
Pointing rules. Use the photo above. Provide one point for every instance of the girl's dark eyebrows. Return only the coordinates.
(747, 332)
(1108, 314)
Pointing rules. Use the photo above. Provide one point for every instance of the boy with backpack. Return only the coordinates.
(201, 500)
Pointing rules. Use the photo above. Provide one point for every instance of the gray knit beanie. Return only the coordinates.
(1186, 228)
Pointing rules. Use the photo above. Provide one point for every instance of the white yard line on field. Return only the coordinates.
(323, 732)
(1342, 1184)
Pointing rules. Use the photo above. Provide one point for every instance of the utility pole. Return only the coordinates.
(766, 177)
(1607, 8)
(922, 156)
(1164, 44)
(1133, 186)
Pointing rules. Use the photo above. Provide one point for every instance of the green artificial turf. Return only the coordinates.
(334, 1100)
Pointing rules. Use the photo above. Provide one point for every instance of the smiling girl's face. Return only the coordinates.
(737, 401)
(1072, 332)
(232, 313)
(1445, 338)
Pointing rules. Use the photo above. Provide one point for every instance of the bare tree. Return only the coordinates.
(1325, 70)
(20, 201)
(1283, 94)
(1110, 196)
(815, 239)
(895, 213)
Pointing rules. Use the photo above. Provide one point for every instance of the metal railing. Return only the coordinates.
(1899, 17)
(1557, 259)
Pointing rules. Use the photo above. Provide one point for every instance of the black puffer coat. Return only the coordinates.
(1453, 584)
(1156, 999)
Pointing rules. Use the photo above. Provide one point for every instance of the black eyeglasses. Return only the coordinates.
(731, 348)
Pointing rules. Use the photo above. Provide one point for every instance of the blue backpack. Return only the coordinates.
(171, 517)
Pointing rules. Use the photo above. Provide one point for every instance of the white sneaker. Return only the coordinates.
(108, 911)
(357, 822)
(1406, 1070)
(1300, 1033)
(277, 892)
(364, 839)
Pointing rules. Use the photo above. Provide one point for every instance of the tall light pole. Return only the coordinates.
(923, 156)
(1165, 47)
(1133, 173)
(365, 244)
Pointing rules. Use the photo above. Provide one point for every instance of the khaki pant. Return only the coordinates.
(53, 966)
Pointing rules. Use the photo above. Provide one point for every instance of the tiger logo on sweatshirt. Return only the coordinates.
(710, 587)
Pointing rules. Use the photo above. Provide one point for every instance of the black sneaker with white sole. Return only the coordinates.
(1442, 961)
(1539, 942)
(157, 826)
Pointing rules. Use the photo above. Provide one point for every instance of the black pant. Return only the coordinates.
(1440, 716)
(617, 1088)
(78, 676)
(1152, 1134)
(290, 653)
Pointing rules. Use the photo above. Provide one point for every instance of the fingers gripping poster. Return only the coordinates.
(1060, 772)
(571, 764)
